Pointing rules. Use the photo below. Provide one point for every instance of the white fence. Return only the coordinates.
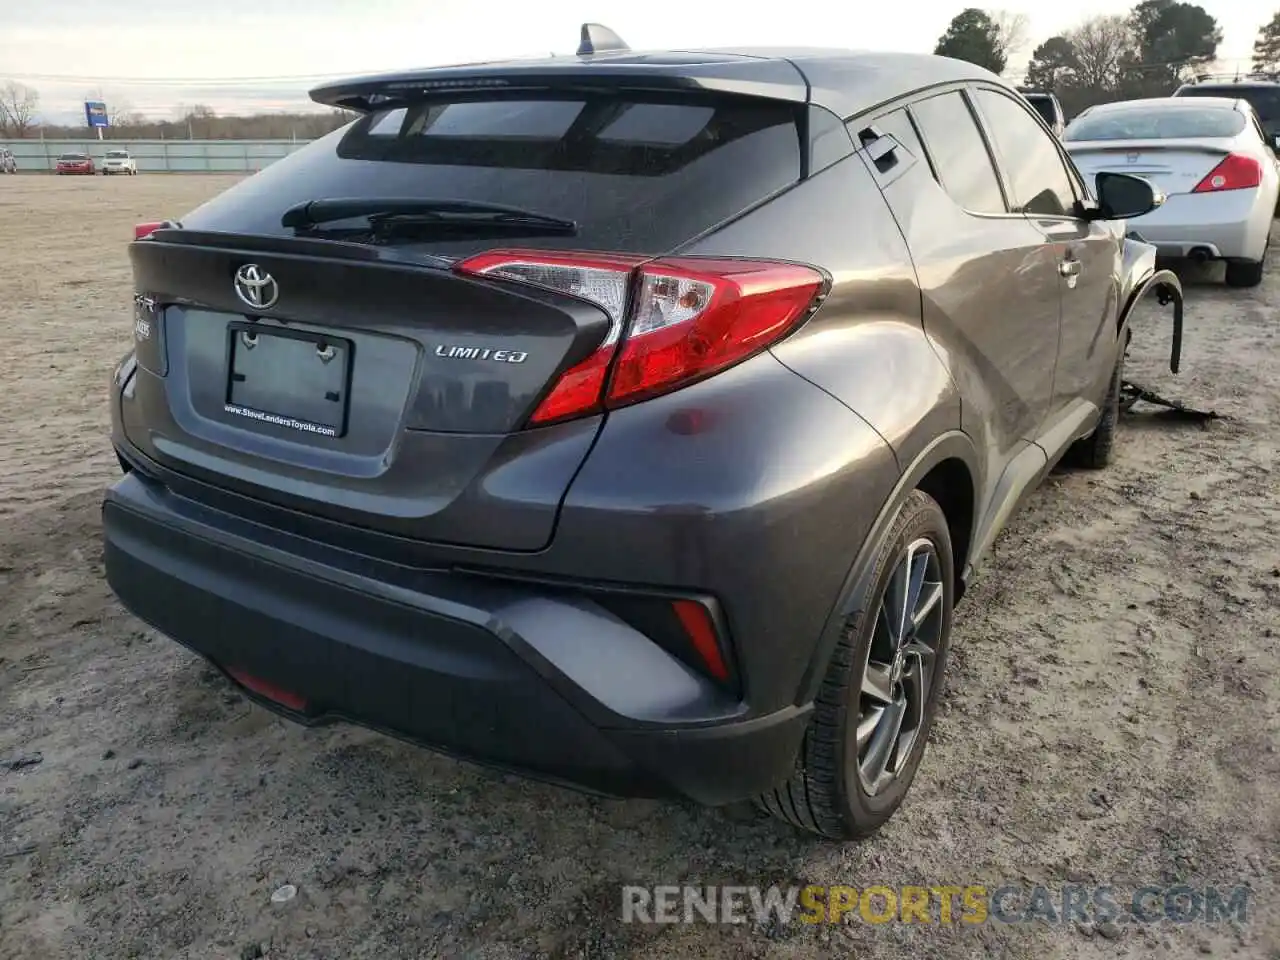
(159, 156)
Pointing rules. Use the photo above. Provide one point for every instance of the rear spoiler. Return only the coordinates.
(744, 76)
(1134, 146)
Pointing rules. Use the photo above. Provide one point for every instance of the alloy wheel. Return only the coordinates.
(898, 677)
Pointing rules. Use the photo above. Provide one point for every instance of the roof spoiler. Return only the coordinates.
(597, 38)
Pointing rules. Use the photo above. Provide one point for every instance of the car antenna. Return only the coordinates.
(597, 38)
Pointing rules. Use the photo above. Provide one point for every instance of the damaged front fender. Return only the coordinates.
(1140, 279)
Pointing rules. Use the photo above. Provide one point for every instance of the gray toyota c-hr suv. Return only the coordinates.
(632, 421)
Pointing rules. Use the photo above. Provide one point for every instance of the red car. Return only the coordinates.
(74, 163)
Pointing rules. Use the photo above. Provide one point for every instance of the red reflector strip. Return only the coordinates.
(269, 690)
(698, 625)
(144, 230)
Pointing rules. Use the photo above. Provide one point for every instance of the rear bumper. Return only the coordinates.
(514, 676)
(1231, 225)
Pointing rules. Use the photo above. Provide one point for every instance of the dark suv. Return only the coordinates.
(632, 421)
(1262, 91)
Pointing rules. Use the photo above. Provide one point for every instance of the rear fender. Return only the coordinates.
(858, 584)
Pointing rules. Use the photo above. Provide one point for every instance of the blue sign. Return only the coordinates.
(95, 113)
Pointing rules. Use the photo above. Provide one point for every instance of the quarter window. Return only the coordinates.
(959, 153)
(1038, 178)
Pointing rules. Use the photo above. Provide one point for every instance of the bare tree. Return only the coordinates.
(119, 110)
(18, 104)
(1012, 31)
(1103, 46)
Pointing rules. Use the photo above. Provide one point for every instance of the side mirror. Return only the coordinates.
(1122, 197)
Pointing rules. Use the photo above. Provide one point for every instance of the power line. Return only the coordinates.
(172, 81)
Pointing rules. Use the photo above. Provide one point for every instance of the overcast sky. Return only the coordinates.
(189, 49)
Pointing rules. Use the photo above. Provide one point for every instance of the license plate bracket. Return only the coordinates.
(294, 379)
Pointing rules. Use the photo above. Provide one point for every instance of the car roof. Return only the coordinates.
(846, 82)
(1230, 84)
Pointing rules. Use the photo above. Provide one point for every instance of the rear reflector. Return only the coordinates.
(673, 321)
(697, 623)
(262, 688)
(143, 230)
(1236, 172)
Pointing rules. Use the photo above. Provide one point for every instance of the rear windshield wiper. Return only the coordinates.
(422, 212)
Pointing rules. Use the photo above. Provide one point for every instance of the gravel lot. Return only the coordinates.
(1111, 714)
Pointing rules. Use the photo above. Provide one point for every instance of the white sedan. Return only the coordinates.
(119, 161)
(1211, 159)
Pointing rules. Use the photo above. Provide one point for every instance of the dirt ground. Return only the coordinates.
(1111, 712)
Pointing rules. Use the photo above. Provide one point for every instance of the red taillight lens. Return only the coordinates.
(695, 317)
(697, 623)
(143, 230)
(676, 320)
(1236, 172)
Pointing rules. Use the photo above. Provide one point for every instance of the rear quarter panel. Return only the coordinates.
(866, 345)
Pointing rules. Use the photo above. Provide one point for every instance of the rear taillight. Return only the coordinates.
(143, 230)
(1236, 172)
(673, 321)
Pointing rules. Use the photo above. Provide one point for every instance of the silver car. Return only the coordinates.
(119, 161)
(1211, 159)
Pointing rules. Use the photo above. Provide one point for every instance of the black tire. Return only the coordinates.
(1094, 451)
(826, 794)
(1244, 273)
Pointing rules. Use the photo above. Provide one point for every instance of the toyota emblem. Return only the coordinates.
(256, 287)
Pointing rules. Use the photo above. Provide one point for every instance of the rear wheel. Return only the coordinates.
(873, 714)
(1245, 273)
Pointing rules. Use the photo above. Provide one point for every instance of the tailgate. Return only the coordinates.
(377, 393)
(371, 383)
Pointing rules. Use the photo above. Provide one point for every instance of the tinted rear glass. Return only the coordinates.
(1148, 123)
(1265, 100)
(117, 155)
(638, 173)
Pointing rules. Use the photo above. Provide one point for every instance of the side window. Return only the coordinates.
(959, 153)
(1037, 176)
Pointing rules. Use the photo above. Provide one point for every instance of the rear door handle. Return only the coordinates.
(1069, 268)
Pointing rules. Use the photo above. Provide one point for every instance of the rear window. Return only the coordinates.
(1265, 100)
(637, 172)
(1148, 123)
(117, 154)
